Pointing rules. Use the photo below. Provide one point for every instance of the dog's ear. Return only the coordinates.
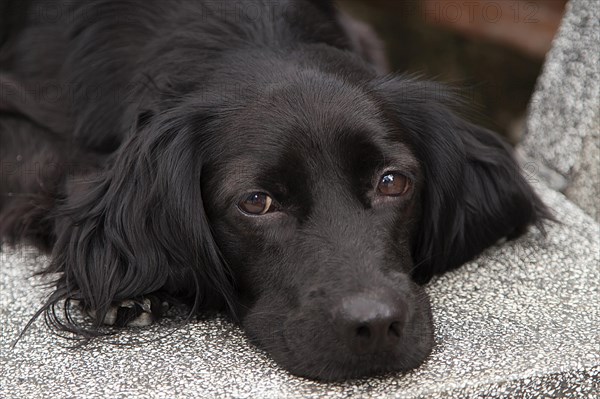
(140, 226)
(474, 193)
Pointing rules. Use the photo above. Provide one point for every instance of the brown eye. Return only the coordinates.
(394, 185)
(256, 204)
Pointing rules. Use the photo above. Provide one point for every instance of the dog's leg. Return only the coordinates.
(44, 113)
(31, 171)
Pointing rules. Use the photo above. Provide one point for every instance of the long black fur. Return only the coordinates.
(165, 112)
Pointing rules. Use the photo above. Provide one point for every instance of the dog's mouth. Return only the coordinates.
(364, 338)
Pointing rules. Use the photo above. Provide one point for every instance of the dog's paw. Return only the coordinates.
(134, 313)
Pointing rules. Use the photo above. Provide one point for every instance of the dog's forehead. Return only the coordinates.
(308, 112)
(308, 130)
(315, 103)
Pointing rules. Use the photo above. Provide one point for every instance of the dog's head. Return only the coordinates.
(308, 208)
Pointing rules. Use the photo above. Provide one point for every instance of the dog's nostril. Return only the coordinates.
(363, 332)
(395, 329)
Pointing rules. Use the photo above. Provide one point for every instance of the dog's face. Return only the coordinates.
(314, 204)
(307, 209)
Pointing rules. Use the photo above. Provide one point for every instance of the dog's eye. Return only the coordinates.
(256, 204)
(394, 184)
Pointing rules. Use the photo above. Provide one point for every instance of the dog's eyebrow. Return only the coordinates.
(235, 176)
(402, 158)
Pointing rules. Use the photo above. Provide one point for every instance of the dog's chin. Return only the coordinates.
(303, 348)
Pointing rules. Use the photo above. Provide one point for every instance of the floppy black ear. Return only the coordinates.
(474, 193)
(140, 226)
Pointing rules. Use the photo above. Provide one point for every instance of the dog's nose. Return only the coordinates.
(370, 323)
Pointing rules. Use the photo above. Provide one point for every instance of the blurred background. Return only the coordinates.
(493, 51)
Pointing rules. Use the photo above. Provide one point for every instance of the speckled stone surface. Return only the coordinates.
(522, 320)
(563, 128)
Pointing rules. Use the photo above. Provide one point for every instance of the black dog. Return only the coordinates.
(244, 156)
